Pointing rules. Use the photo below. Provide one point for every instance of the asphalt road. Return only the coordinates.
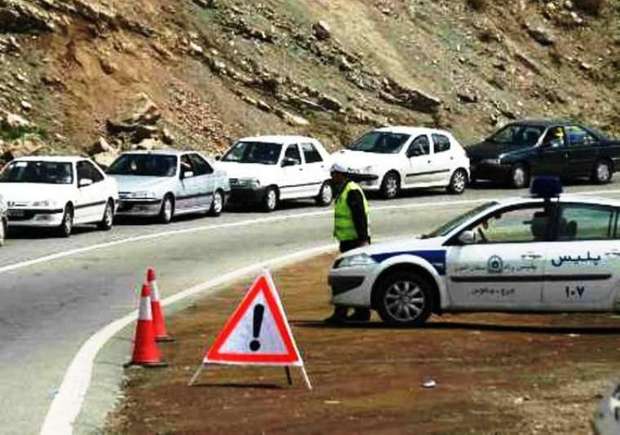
(49, 308)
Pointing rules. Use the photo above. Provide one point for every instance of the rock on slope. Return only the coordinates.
(102, 76)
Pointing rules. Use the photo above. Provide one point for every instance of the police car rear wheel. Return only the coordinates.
(404, 299)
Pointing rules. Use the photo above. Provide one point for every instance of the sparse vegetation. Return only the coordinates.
(478, 5)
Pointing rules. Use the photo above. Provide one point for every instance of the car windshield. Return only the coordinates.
(145, 165)
(380, 142)
(446, 228)
(37, 172)
(254, 152)
(520, 134)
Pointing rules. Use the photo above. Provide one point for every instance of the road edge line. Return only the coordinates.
(67, 403)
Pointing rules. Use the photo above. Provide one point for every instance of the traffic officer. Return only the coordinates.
(351, 228)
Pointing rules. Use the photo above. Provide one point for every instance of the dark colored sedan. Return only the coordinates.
(524, 149)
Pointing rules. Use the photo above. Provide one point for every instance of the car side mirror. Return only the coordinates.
(188, 174)
(289, 161)
(467, 237)
(218, 157)
(85, 182)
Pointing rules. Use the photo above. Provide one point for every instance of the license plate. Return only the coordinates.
(16, 213)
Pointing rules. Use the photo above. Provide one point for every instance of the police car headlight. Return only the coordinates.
(358, 260)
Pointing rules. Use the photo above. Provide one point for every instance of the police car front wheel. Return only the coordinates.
(404, 299)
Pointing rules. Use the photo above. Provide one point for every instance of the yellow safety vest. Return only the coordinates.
(344, 227)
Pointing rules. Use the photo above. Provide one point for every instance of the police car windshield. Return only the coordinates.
(380, 142)
(518, 134)
(446, 228)
(254, 152)
(37, 172)
(146, 165)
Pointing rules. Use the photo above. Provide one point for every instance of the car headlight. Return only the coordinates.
(492, 161)
(44, 203)
(252, 183)
(355, 261)
(143, 195)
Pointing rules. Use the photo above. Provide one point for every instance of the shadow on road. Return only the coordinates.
(466, 326)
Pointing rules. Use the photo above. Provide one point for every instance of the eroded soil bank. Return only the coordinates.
(495, 373)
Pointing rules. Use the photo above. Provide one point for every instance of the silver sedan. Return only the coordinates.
(168, 183)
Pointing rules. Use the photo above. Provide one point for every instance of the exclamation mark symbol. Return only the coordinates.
(259, 310)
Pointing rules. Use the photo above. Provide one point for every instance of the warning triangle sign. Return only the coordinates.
(257, 333)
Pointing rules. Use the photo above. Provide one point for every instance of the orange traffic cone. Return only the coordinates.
(159, 321)
(145, 350)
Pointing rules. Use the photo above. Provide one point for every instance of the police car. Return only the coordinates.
(544, 253)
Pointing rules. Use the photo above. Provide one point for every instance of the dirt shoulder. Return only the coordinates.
(495, 373)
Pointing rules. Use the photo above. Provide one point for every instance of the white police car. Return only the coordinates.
(541, 253)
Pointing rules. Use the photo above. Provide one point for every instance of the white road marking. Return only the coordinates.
(73, 252)
(67, 403)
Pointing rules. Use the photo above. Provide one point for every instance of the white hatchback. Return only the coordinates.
(533, 254)
(394, 158)
(270, 169)
(58, 192)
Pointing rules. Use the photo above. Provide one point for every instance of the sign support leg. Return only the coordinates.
(303, 372)
(287, 369)
(191, 382)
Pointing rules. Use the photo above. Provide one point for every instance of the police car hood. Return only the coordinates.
(361, 160)
(412, 245)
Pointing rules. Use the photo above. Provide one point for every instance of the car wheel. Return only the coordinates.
(602, 172)
(108, 217)
(66, 227)
(270, 201)
(458, 182)
(218, 204)
(167, 210)
(326, 195)
(390, 185)
(519, 176)
(404, 299)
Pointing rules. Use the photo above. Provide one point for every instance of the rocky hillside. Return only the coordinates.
(99, 76)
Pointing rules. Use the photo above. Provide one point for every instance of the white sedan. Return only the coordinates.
(394, 158)
(535, 254)
(4, 221)
(58, 192)
(270, 169)
(168, 183)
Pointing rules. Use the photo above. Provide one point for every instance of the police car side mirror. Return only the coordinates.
(467, 237)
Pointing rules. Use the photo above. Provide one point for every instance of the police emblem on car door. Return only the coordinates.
(498, 262)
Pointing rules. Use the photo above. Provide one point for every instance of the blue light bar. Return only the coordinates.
(546, 187)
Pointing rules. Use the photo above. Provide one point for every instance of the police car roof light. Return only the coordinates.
(546, 187)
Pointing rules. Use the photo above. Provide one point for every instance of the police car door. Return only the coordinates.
(583, 264)
(497, 262)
